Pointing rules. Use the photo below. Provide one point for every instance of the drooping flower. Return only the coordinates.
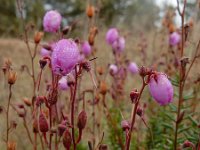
(133, 68)
(119, 44)
(65, 56)
(62, 83)
(113, 69)
(174, 38)
(112, 35)
(51, 21)
(161, 88)
(86, 48)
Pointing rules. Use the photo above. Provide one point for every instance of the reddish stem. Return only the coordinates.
(134, 116)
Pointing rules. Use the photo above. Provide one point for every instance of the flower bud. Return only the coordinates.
(140, 111)
(12, 77)
(118, 45)
(161, 88)
(112, 35)
(43, 63)
(43, 124)
(144, 71)
(187, 144)
(86, 48)
(100, 70)
(52, 21)
(67, 139)
(35, 126)
(103, 88)
(38, 36)
(113, 69)
(27, 102)
(134, 95)
(90, 11)
(62, 84)
(125, 125)
(82, 119)
(174, 39)
(133, 68)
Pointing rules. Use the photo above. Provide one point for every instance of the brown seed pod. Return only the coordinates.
(103, 88)
(12, 77)
(67, 139)
(38, 36)
(82, 119)
(90, 11)
(43, 124)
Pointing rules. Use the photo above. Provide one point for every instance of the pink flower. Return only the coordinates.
(86, 48)
(44, 52)
(161, 88)
(174, 38)
(52, 21)
(133, 68)
(112, 35)
(119, 44)
(62, 83)
(113, 69)
(65, 56)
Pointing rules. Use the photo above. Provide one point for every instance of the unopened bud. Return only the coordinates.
(144, 71)
(134, 95)
(43, 63)
(35, 126)
(125, 125)
(140, 111)
(12, 77)
(90, 11)
(82, 119)
(43, 124)
(27, 102)
(67, 139)
(38, 36)
(100, 70)
(187, 144)
(103, 88)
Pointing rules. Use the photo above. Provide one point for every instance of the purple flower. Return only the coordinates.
(45, 53)
(174, 38)
(119, 44)
(161, 88)
(62, 83)
(86, 48)
(112, 35)
(133, 68)
(65, 56)
(52, 21)
(113, 69)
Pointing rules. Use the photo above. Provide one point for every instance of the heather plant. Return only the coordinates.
(77, 103)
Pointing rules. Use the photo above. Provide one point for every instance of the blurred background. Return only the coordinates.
(131, 14)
